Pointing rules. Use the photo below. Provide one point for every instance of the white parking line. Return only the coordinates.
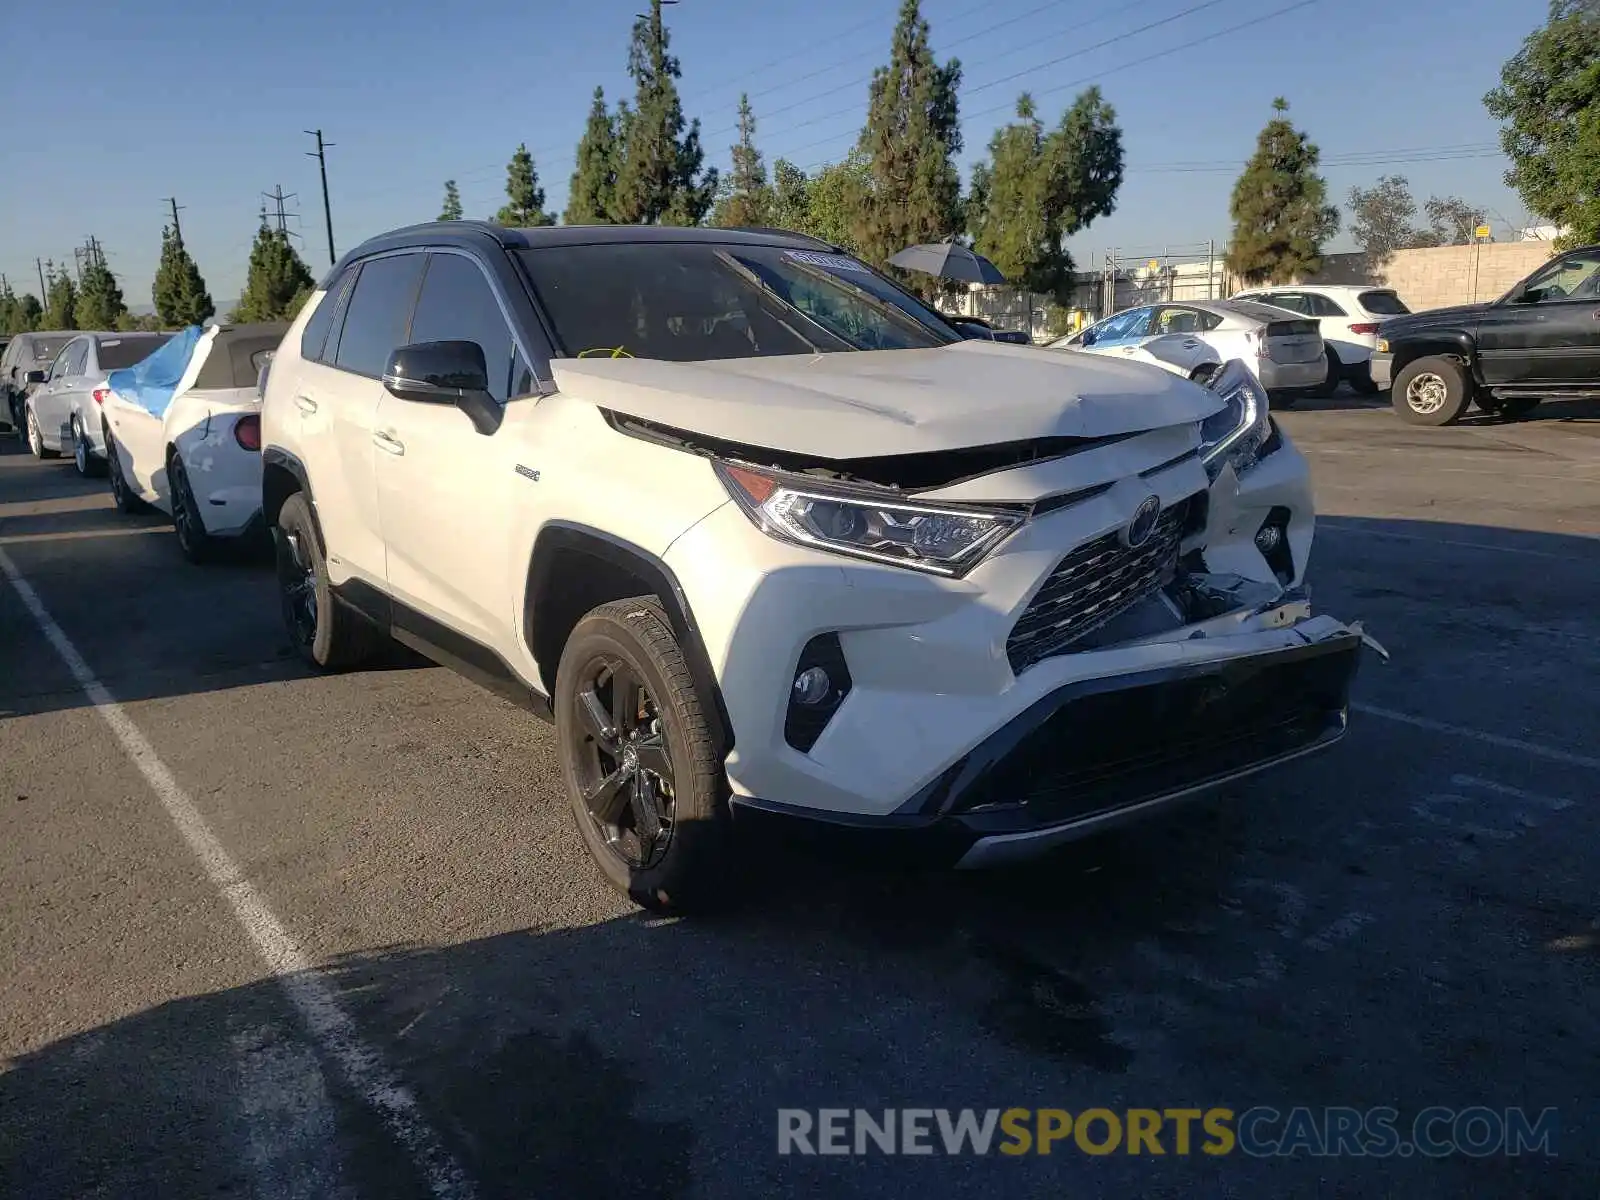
(1479, 735)
(313, 999)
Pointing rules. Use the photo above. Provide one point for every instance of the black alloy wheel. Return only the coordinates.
(121, 494)
(297, 589)
(624, 766)
(187, 523)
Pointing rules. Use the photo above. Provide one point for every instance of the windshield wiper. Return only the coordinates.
(770, 293)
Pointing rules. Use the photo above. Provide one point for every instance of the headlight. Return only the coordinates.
(1237, 432)
(943, 540)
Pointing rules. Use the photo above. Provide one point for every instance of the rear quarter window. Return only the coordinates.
(1383, 304)
(314, 338)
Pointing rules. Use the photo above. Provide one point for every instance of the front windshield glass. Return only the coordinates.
(694, 301)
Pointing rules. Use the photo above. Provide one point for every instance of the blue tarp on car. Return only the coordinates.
(151, 383)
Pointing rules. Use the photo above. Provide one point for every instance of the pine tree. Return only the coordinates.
(61, 302)
(100, 302)
(1280, 212)
(30, 313)
(180, 294)
(278, 283)
(1036, 189)
(1549, 103)
(659, 177)
(10, 314)
(789, 198)
(592, 192)
(745, 198)
(451, 210)
(524, 197)
(909, 141)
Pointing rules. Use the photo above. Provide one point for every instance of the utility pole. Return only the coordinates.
(44, 292)
(320, 154)
(177, 231)
(77, 260)
(277, 196)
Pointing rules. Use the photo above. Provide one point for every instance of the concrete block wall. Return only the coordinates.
(1440, 276)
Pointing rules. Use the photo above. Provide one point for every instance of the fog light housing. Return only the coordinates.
(1272, 540)
(811, 686)
(819, 685)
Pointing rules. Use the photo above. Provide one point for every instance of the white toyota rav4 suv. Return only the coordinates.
(769, 539)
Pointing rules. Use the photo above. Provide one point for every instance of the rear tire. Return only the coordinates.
(83, 456)
(198, 546)
(1431, 391)
(1330, 383)
(1361, 379)
(661, 837)
(121, 493)
(326, 633)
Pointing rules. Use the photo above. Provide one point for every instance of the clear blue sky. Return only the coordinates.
(207, 101)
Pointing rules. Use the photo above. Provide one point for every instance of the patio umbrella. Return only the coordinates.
(948, 260)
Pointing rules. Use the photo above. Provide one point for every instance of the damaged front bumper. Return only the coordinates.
(1101, 751)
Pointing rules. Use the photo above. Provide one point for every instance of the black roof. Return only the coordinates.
(483, 235)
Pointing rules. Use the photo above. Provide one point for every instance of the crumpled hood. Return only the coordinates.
(865, 404)
(1457, 316)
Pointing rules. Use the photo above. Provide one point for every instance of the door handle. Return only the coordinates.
(305, 404)
(1596, 314)
(388, 443)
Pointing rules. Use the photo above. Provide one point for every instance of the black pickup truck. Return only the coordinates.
(1539, 341)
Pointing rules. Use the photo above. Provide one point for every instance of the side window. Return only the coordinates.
(314, 339)
(1293, 301)
(1321, 306)
(1209, 321)
(378, 313)
(1571, 278)
(1177, 320)
(62, 367)
(1139, 322)
(458, 305)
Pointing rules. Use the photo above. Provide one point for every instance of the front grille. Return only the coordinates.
(1095, 583)
(1105, 750)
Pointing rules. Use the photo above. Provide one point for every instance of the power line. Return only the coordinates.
(1137, 62)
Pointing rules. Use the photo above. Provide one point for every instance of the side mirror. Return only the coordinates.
(34, 377)
(445, 373)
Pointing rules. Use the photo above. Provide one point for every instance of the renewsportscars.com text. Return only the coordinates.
(1260, 1132)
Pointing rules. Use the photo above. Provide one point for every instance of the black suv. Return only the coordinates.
(1541, 340)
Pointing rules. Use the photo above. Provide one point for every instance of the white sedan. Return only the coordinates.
(183, 433)
(61, 415)
(1282, 349)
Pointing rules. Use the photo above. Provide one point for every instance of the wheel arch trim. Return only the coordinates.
(559, 535)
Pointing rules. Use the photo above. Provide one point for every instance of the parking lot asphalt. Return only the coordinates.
(270, 934)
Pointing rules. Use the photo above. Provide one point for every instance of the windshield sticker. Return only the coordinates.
(832, 262)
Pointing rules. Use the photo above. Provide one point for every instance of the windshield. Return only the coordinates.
(115, 353)
(686, 302)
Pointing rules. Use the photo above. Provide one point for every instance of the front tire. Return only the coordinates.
(639, 760)
(1432, 391)
(326, 633)
(198, 546)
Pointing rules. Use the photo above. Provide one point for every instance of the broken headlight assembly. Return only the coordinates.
(1235, 434)
(939, 539)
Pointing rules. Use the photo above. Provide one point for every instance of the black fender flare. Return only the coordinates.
(557, 536)
(275, 459)
(1450, 343)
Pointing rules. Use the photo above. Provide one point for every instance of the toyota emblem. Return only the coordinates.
(1143, 525)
